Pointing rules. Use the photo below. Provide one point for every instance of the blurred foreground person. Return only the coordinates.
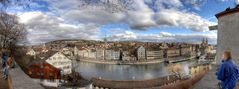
(5, 65)
(228, 72)
(5, 71)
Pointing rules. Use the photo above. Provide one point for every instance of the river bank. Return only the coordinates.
(121, 62)
(172, 60)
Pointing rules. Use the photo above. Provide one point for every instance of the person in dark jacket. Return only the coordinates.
(4, 58)
(228, 72)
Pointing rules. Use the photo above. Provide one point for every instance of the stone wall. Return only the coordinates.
(228, 36)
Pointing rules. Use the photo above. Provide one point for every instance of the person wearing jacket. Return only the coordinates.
(228, 72)
(4, 58)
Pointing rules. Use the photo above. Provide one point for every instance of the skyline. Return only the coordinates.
(149, 20)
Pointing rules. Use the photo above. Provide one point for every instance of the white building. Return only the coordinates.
(76, 51)
(83, 53)
(100, 53)
(49, 83)
(67, 51)
(141, 53)
(31, 52)
(112, 55)
(59, 60)
(154, 55)
(91, 54)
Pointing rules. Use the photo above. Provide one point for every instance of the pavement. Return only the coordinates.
(26, 82)
(3, 82)
(209, 81)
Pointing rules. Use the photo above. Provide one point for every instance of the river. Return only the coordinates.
(128, 72)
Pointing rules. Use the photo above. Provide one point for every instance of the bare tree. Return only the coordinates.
(11, 31)
(176, 69)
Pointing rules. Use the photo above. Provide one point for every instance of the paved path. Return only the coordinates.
(3, 83)
(209, 81)
(22, 81)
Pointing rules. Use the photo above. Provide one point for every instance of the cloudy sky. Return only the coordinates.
(140, 20)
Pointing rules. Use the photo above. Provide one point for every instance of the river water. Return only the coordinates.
(129, 72)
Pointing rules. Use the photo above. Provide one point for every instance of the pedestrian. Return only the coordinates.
(5, 71)
(4, 58)
(228, 72)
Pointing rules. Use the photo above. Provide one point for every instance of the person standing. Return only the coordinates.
(228, 72)
(4, 64)
(5, 71)
(4, 58)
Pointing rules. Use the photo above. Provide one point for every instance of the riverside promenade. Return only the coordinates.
(209, 81)
(120, 62)
(171, 60)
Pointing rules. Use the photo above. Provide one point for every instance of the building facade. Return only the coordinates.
(173, 52)
(46, 73)
(126, 56)
(31, 52)
(154, 55)
(227, 38)
(100, 53)
(186, 51)
(59, 60)
(112, 55)
(141, 53)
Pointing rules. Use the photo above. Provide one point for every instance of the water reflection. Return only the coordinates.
(129, 72)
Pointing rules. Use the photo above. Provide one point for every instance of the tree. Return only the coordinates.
(176, 69)
(11, 31)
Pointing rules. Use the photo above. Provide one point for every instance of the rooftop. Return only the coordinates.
(228, 11)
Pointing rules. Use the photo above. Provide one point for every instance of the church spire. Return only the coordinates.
(203, 40)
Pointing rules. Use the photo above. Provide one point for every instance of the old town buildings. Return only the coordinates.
(154, 55)
(141, 53)
(60, 61)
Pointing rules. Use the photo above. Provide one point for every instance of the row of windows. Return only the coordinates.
(60, 63)
(57, 58)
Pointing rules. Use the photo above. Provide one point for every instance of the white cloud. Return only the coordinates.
(166, 34)
(164, 37)
(172, 17)
(142, 16)
(123, 35)
(237, 1)
(43, 27)
(67, 19)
